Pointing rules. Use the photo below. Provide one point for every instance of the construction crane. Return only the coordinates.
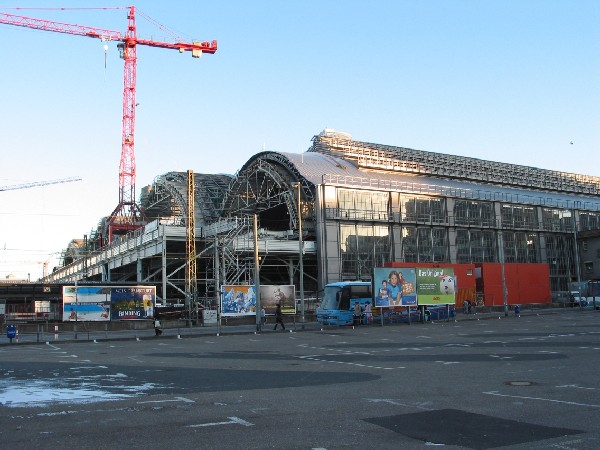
(127, 215)
(38, 183)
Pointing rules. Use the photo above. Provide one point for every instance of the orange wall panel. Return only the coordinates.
(525, 283)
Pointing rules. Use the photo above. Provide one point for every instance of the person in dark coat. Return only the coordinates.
(278, 317)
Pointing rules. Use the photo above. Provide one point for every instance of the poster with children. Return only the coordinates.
(394, 287)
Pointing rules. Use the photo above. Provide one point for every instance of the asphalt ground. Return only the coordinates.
(485, 381)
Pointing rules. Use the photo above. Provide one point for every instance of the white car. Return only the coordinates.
(584, 302)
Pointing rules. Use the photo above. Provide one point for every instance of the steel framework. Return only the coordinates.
(400, 159)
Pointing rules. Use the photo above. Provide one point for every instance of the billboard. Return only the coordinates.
(131, 303)
(394, 287)
(238, 300)
(105, 303)
(436, 286)
(284, 294)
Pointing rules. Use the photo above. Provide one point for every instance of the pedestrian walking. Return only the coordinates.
(278, 317)
(466, 306)
(157, 329)
(368, 313)
(357, 313)
(263, 316)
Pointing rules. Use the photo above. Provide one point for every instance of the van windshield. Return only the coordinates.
(330, 297)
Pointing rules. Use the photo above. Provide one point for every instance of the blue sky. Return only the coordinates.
(511, 81)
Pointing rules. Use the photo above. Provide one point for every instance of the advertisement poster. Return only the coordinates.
(239, 301)
(394, 287)
(436, 286)
(285, 295)
(86, 303)
(104, 303)
(132, 303)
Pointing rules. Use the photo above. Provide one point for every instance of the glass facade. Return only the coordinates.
(473, 246)
(519, 216)
(589, 221)
(422, 209)
(362, 248)
(426, 231)
(521, 247)
(363, 205)
(557, 220)
(561, 260)
(474, 213)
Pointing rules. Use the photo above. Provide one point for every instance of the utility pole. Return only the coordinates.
(504, 290)
(300, 252)
(257, 275)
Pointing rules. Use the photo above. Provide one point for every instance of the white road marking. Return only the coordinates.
(495, 393)
(88, 367)
(394, 402)
(232, 420)
(176, 399)
(135, 359)
(311, 358)
(576, 386)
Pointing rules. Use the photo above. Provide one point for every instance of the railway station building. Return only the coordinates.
(338, 210)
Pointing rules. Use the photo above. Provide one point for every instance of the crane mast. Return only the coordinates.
(127, 215)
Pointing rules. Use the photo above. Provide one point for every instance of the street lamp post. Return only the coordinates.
(504, 290)
(300, 251)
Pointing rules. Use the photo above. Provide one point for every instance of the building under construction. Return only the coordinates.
(357, 205)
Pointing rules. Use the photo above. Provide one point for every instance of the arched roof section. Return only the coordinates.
(166, 197)
(269, 181)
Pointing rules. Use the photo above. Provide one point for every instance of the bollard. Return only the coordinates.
(55, 331)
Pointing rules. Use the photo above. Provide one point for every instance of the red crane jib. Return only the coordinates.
(127, 215)
(102, 34)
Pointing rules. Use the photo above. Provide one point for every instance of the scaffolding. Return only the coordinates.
(219, 220)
